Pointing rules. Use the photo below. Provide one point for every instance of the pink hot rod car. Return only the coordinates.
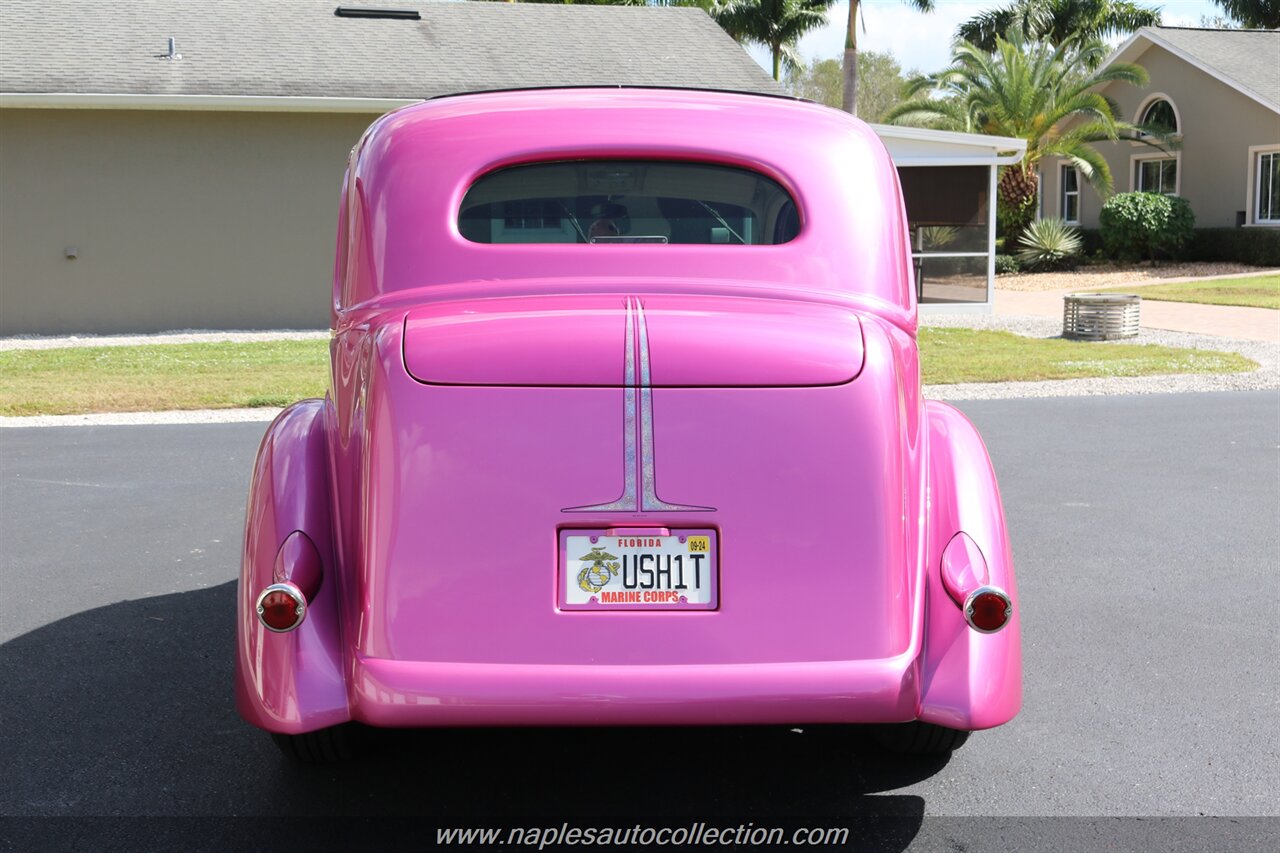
(625, 428)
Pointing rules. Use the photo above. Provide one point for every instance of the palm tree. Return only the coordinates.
(850, 104)
(776, 24)
(1256, 14)
(1034, 91)
(1056, 21)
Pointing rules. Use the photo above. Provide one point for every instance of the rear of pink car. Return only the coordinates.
(647, 450)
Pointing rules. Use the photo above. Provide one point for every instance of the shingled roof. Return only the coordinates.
(1248, 60)
(301, 49)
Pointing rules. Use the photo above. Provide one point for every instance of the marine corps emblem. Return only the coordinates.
(602, 567)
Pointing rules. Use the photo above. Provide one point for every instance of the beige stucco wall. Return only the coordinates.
(182, 219)
(1218, 126)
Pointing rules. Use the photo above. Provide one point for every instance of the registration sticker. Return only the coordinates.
(636, 570)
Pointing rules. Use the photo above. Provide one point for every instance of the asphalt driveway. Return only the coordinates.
(1145, 537)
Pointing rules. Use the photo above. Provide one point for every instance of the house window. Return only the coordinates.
(1160, 115)
(1069, 208)
(1266, 192)
(1156, 176)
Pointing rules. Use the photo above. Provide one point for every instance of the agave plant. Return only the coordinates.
(935, 237)
(1049, 244)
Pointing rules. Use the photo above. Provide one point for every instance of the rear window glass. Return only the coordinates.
(626, 202)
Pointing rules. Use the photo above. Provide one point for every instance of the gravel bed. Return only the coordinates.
(1115, 275)
(197, 416)
(1267, 355)
(184, 336)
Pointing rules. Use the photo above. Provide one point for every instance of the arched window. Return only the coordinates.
(1160, 114)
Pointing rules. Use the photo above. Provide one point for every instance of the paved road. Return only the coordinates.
(1147, 547)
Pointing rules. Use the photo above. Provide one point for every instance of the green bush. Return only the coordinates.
(1146, 225)
(1257, 246)
(1049, 244)
(1007, 264)
(1091, 242)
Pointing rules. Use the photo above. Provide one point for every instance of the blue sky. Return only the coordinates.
(922, 41)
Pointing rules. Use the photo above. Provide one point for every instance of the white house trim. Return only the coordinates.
(1128, 52)
(1146, 140)
(1063, 166)
(1251, 187)
(235, 103)
(1151, 99)
(914, 146)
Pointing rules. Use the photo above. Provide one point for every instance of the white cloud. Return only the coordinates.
(922, 40)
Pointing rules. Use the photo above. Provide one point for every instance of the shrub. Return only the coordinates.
(1257, 246)
(1146, 225)
(1049, 244)
(1007, 264)
(1091, 242)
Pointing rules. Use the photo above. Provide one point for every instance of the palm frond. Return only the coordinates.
(1057, 21)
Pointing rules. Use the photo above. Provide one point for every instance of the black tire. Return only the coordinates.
(325, 746)
(919, 738)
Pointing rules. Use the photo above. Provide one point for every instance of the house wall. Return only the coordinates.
(207, 220)
(196, 219)
(1218, 125)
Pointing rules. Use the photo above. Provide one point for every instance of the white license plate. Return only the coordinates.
(638, 570)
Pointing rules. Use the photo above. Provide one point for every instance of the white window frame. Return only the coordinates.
(1063, 193)
(918, 256)
(1142, 108)
(1251, 188)
(1176, 156)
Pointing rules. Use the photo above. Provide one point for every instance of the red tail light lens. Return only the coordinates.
(988, 609)
(281, 607)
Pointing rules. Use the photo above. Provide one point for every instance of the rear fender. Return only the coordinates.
(290, 682)
(969, 680)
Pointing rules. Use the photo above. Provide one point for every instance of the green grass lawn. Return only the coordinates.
(77, 380)
(972, 355)
(228, 375)
(1261, 291)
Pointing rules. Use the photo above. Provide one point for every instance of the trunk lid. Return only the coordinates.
(473, 484)
(666, 341)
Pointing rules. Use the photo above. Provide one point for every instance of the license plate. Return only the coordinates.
(638, 570)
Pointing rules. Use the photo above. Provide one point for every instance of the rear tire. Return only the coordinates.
(919, 738)
(325, 746)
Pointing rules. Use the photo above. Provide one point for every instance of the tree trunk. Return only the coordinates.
(777, 62)
(1017, 202)
(850, 104)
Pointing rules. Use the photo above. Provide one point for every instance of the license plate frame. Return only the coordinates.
(701, 547)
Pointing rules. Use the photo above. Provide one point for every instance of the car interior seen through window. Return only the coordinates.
(628, 201)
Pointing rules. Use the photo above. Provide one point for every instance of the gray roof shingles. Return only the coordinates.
(1251, 58)
(300, 48)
